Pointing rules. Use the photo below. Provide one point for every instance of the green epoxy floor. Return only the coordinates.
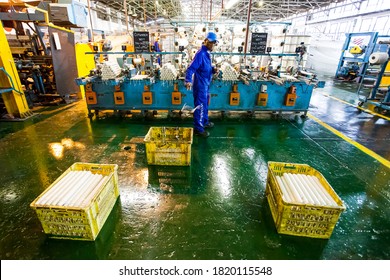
(220, 211)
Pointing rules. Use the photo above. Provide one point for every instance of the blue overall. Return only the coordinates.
(157, 49)
(202, 70)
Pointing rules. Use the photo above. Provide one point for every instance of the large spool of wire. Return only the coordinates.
(378, 58)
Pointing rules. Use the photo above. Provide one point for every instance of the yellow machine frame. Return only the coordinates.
(14, 99)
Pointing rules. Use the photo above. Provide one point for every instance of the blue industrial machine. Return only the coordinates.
(250, 90)
(355, 54)
(376, 79)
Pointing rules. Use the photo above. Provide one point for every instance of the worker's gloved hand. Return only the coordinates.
(188, 85)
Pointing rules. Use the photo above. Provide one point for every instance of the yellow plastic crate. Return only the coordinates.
(301, 219)
(169, 145)
(80, 223)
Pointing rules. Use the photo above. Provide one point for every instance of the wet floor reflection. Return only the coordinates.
(170, 179)
(214, 209)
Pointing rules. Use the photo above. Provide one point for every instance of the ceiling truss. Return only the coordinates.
(207, 10)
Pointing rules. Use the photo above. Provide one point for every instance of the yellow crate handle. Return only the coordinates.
(95, 168)
(290, 166)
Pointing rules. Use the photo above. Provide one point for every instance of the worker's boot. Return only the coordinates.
(202, 134)
(209, 125)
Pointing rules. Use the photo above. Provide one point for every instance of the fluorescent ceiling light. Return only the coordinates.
(231, 4)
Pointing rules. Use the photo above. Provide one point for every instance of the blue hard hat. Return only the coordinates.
(212, 37)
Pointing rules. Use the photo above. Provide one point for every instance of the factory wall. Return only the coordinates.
(110, 23)
(328, 26)
(344, 17)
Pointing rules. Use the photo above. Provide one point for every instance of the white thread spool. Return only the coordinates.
(239, 30)
(220, 29)
(378, 58)
(137, 60)
(235, 59)
(238, 42)
(182, 42)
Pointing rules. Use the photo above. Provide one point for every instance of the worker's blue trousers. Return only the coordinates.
(201, 114)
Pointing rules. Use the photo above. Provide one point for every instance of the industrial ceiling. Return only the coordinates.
(206, 10)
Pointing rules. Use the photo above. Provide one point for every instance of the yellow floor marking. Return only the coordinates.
(360, 108)
(382, 160)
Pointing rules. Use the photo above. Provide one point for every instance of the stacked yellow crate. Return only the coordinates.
(301, 200)
(169, 146)
(78, 203)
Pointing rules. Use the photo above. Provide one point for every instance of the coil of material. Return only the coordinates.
(377, 58)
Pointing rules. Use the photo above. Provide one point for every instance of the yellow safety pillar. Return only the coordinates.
(85, 62)
(11, 88)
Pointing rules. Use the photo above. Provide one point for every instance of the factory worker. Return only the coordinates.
(157, 49)
(301, 50)
(198, 76)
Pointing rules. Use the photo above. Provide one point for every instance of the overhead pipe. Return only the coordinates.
(247, 29)
(45, 13)
(90, 20)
